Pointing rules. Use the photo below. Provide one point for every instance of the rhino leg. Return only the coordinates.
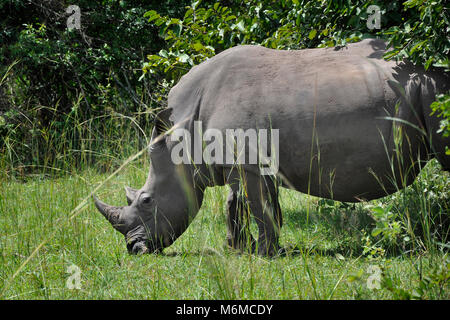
(263, 201)
(239, 236)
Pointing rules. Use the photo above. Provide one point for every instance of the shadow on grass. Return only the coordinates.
(196, 253)
(285, 252)
(338, 230)
(298, 250)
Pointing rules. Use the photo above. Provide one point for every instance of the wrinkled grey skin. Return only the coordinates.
(330, 106)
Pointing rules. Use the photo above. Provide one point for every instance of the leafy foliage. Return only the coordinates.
(92, 72)
(442, 108)
(417, 216)
(208, 28)
(416, 30)
(423, 38)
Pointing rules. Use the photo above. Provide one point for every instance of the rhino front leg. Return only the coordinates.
(239, 236)
(263, 200)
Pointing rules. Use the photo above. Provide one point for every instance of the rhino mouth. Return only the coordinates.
(139, 241)
(142, 246)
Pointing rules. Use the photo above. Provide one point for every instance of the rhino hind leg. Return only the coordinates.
(239, 236)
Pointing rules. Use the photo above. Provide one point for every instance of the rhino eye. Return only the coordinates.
(115, 218)
(146, 200)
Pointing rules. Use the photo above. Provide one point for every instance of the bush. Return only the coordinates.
(63, 78)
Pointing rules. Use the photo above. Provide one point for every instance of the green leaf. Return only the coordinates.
(429, 62)
(390, 54)
(376, 232)
(174, 21)
(177, 29)
(417, 46)
(163, 53)
(160, 21)
(152, 15)
(188, 13)
(198, 46)
(378, 211)
(183, 58)
(241, 26)
(312, 34)
(339, 256)
(195, 4)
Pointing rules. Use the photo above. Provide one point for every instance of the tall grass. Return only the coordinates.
(197, 266)
(54, 140)
(101, 142)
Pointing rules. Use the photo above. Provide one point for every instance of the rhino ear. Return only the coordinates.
(162, 124)
(162, 121)
(131, 194)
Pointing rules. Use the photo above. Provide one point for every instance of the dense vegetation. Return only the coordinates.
(74, 100)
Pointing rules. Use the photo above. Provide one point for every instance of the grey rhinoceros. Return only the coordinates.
(351, 127)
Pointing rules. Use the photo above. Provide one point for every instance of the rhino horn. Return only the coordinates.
(111, 213)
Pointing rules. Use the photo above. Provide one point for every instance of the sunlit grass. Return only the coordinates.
(197, 266)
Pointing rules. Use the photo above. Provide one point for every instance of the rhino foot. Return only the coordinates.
(241, 245)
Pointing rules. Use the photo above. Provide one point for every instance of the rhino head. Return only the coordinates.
(159, 212)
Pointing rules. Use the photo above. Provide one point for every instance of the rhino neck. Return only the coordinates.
(177, 197)
(435, 82)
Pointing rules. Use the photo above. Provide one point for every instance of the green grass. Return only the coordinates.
(329, 265)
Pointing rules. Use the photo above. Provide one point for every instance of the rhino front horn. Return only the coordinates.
(111, 213)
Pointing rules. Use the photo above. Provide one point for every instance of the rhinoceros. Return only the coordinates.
(351, 127)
